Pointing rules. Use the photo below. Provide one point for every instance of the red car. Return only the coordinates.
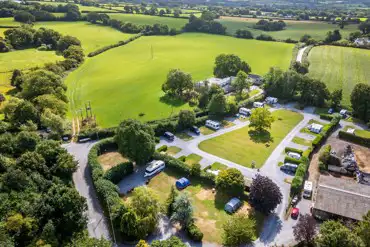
(295, 213)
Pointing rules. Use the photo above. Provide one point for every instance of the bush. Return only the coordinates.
(182, 158)
(118, 172)
(307, 153)
(162, 148)
(317, 141)
(355, 139)
(289, 159)
(296, 185)
(289, 149)
(324, 154)
(97, 133)
(194, 232)
(195, 170)
(323, 166)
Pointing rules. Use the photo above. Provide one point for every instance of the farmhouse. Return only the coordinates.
(224, 83)
(342, 198)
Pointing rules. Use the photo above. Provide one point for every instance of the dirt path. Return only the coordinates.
(300, 54)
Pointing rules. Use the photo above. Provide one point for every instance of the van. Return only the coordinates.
(195, 130)
(258, 104)
(245, 111)
(213, 125)
(307, 189)
(289, 167)
(169, 136)
(294, 155)
(154, 167)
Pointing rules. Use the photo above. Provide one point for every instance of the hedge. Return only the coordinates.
(326, 116)
(295, 150)
(289, 159)
(353, 138)
(118, 172)
(95, 134)
(249, 102)
(162, 148)
(298, 179)
(194, 232)
(324, 154)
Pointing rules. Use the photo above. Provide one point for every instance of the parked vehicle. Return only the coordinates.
(295, 213)
(295, 200)
(195, 129)
(213, 124)
(271, 100)
(289, 167)
(294, 155)
(245, 111)
(182, 183)
(233, 205)
(154, 167)
(331, 111)
(258, 104)
(307, 189)
(169, 136)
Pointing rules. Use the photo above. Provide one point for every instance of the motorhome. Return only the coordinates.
(258, 104)
(213, 124)
(289, 167)
(245, 111)
(307, 189)
(154, 167)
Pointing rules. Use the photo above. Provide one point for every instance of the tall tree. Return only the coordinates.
(336, 98)
(217, 105)
(170, 201)
(135, 140)
(229, 65)
(261, 119)
(238, 230)
(230, 181)
(264, 194)
(182, 210)
(186, 119)
(240, 83)
(177, 82)
(360, 101)
(305, 230)
(363, 229)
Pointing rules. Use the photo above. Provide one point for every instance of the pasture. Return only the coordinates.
(176, 23)
(244, 145)
(294, 29)
(81, 7)
(91, 36)
(340, 68)
(126, 81)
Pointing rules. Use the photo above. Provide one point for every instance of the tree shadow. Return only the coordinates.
(262, 136)
(171, 100)
(12, 92)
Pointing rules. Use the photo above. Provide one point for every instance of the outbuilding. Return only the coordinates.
(182, 183)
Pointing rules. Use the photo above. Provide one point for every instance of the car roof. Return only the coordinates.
(234, 201)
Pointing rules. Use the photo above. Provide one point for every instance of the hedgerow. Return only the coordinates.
(353, 138)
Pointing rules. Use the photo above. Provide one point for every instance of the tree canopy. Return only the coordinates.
(238, 230)
(261, 119)
(229, 65)
(360, 101)
(230, 181)
(177, 83)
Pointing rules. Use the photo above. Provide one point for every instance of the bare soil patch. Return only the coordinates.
(204, 194)
(111, 159)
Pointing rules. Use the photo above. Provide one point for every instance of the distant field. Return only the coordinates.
(150, 20)
(92, 36)
(9, 21)
(294, 30)
(81, 7)
(239, 147)
(340, 67)
(126, 81)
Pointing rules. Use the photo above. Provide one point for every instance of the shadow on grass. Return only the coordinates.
(262, 136)
(12, 92)
(170, 100)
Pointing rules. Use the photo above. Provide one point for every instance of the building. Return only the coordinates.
(341, 198)
(224, 83)
(255, 79)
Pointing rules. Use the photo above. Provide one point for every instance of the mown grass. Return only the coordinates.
(217, 166)
(358, 132)
(184, 136)
(192, 159)
(172, 150)
(208, 206)
(294, 30)
(302, 141)
(138, 19)
(340, 68)
(245, 145)
(91, 36)
(126, 81)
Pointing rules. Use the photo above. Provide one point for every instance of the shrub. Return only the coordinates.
(118, 172)
(182, 158)
(289, 159)
(326, 116)
(296, 185)
(162, 148)
(195, 170)
(307, 153)
(289, 149)
(301, 170)
(355, 139)
(317, 141)
(323, 166)
(194, 232)
(324, 154)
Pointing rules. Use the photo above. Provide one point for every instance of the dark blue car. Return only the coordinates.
(195, 129)
(182, 183)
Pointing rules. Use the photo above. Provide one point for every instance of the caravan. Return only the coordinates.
(307, 190)
(156, 166)
(213, 125)
(258, 104)
(245, 111)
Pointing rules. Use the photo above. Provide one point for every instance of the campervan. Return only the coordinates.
(154, 167)
(213, 124)
(307, 189)
(245, 111)
(258, 104)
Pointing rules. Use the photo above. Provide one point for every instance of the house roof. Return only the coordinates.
(342, 197)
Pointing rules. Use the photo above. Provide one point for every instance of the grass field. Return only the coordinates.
(302, 141)
(81, 7)
(92, 36)
(208, 207)
(294, 29)
(358, 132)
(9, 21)
(340, 68)
(150, 20)
(126, 81)
(243, 146)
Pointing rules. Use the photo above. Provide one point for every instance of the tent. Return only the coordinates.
(232, 205)
(182, 183)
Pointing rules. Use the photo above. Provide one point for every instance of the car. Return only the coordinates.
(169, 136)
(195, 129)
(295, 200)
(295, 213)
(182, 183)
(331, 111)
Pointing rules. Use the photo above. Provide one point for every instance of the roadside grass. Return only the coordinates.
(245, 145)
(208, 206)
(92, 36)
(294, 29)
(192, 159)
(172, 150)
(358, 132)
(217, 166)
(206, 131)
(146, 62)
(139, 19)
(110, 159)
(307, 131)
(184, 136)
(340, 68)
(302, 141)
(227, 124)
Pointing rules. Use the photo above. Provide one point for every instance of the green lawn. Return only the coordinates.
(172, 150)
(358, 132)
(184, 136)
(9, 21)
(340, 68)
(126, 81)
(206, 131)
(208, 207)
(302, 141)
(150, 20)
(243, 146)
(81, 7)
(91, 36)
(294, 30)
(192, 159)
(307, 131)
(217, 166)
